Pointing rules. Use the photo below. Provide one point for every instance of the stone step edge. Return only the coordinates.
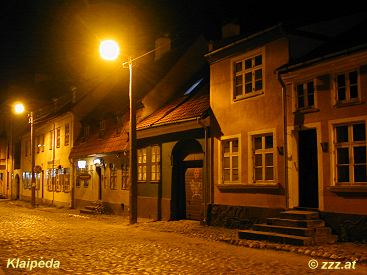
(275, 227)
(304, 241)
(299, 221)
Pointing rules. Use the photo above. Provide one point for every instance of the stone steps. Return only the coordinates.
(296, 227)
(275, 237)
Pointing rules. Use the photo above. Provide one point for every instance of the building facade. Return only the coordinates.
(327, 138)
(53, 142)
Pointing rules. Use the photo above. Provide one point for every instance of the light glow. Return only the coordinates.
(19, 108)
(109, 50)
(82, 164)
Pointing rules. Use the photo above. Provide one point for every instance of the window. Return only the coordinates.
(149, 164)
(67, 134)
(350, 150)
(305, 94)
(263, 158)
(51, 179)
(347, 87)
(142, 164)
(58, 137)
(51, 140)
(155, 163)
(248, 77)
(125, 172)
(113, 177)
(230, 160)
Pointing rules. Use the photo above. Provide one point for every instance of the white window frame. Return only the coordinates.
(350, 144)
(221, 156)
(242, 58)
(251, 157)
(305, 95)
(348, 100)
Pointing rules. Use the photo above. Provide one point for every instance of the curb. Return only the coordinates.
(293, 249)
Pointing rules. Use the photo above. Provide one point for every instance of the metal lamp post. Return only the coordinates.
(19, 108)
(109, 50)
(33, 162)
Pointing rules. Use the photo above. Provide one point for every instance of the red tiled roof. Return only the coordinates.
(109, 143)
(180, 109)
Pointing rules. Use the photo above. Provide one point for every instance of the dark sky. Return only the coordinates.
(60, 36)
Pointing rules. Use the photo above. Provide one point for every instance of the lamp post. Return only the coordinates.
(109, 50)
(19, 108)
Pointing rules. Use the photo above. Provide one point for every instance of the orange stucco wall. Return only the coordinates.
(262, 112)
(325, 116)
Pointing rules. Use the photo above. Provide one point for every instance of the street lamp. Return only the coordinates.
(110, 51)
(19, 109)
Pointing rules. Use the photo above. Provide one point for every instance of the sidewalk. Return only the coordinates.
(334, 252)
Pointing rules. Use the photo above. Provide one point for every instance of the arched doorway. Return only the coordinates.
(17, 187)
(186, 189)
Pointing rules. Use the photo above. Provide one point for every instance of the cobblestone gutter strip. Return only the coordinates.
(336, 252)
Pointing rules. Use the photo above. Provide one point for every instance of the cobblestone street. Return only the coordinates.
(108, 245)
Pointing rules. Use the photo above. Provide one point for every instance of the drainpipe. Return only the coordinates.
(206, 181)
(53, 181)
(285, 138)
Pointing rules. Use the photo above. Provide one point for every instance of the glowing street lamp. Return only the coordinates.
(110, 50)
(19, 109)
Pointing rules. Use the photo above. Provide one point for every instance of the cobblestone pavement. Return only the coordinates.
(109, 245)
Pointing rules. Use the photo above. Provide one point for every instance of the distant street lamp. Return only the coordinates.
(19, 109)
(110, 51)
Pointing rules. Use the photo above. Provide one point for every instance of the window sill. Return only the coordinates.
(247, 187)
(306, 110)
(346, 104)
(349, 189)
(250, 95)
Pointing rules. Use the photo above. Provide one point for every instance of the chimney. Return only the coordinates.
(230, 29)
(162, 46)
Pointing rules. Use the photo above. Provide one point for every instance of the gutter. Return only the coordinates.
(242, 40)
(319, 59)
(206, 183)
(285, 138)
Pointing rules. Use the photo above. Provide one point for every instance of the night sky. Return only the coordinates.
(59, 37)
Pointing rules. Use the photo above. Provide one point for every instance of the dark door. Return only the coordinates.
(17, 186)
(99, 173)
(308, 175)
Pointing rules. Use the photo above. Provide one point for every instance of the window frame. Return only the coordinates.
(234, 74)
(146, 165)
(350, 144)
(305, 96)
(348, 100)
(221, 157)
(251, 157)
(67, 134)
